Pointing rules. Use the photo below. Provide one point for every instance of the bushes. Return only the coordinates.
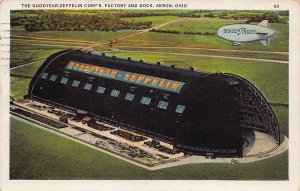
(199, 33)
(272, 17)
(165, 31)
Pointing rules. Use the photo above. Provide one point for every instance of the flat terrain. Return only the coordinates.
(211, 52)
(156, 20)
(19, 87)
(32, 46)
(38, 154)
(37, 157)
(278, 43)
(198, 25)
(26, 54)
(95, 36)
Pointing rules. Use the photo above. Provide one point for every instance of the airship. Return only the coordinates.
(239, 33)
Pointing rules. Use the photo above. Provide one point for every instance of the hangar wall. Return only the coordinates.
(198, 112)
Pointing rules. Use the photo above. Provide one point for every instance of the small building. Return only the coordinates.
(88, 121)
(81, 114)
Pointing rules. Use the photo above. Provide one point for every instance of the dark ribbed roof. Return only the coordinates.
(136, 66)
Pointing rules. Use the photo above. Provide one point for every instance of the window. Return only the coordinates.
(146, 100)
(180, 109)
(115, 93)
(75, 83)
(53, 78)
(88, 86)
(44, 75)
(101, 89)
(64, 80)
(162, 104)
(129, 96)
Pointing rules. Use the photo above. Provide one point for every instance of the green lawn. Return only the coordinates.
(237, 53)
(28, 53)
(282, 114)
(95, 36)
(28, 70)
(45, 44)
(50, 41)
(19, 87)
(38, 154)
(156, 20)
(198, 25)
(278, 43)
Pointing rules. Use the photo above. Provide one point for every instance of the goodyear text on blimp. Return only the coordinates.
(239, 31)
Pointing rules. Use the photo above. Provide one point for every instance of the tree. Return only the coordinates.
(273, 17)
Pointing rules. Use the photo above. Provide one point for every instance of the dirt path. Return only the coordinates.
(209, 56)
(26, 64)
(52, 45)
(200, 48)
(61, 40)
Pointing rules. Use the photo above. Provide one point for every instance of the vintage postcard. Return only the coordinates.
(143, 95)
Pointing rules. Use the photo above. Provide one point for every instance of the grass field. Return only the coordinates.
(22, 44)
(50, 41)
(29, 70)
(282, 114)
(44, 155)
(236, 53)
(198, 25)
(156, 20)
(29, 53)
(30, 48)
(19, 87)
(95, 36)
(278, 43)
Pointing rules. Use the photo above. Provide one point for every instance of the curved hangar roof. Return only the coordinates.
(197, 112)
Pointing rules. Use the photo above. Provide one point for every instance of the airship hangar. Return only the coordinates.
(213, 115)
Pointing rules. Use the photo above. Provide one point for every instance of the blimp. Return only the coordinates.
(239, 33)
